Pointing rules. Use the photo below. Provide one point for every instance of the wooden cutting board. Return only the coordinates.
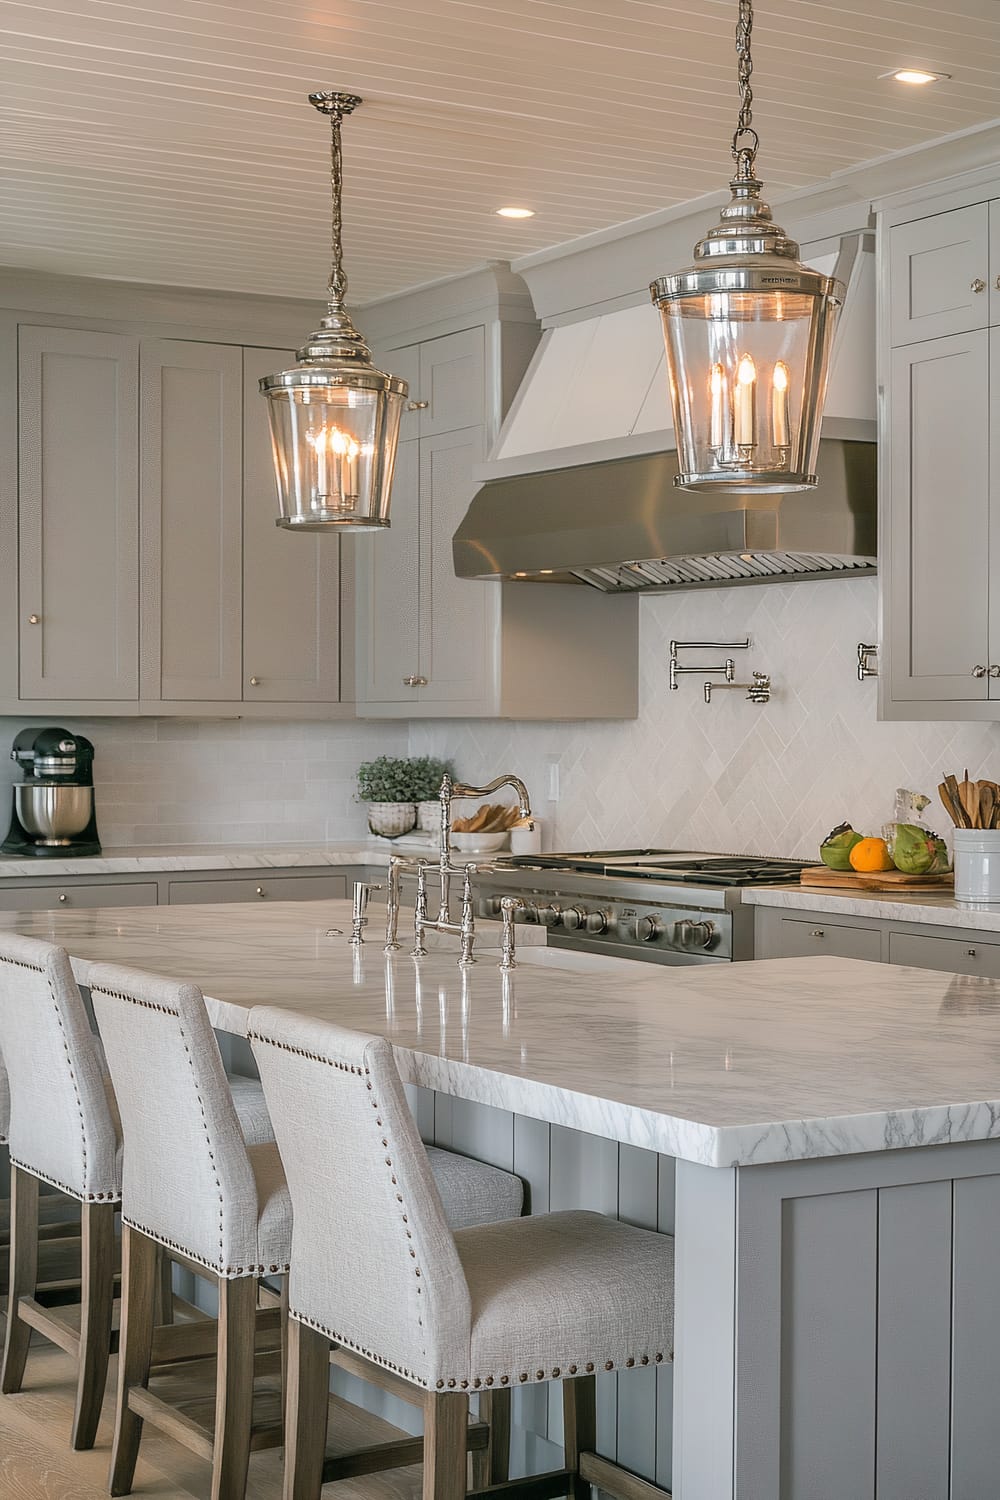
(880, 880)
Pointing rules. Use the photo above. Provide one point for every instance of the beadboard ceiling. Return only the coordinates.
(170, 141)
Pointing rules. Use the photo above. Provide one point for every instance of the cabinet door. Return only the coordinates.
(387, 581)
(953, 955)
(452, 382)
(459, 617)
(38, 897)
(938, 563)
(938, 270)
(291, 582)
(78, 561)
(258, 888)
(816, 936)
(190, 508)
(406, 364)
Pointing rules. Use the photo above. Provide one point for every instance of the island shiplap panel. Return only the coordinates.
(975, 1339)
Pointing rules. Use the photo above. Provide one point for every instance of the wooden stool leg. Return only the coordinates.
(23, 1277)
(164, 1310)
(234, 1388)
(446, 1421)
(580, 1427)
(139, 1280)
(306, 1408)
(97, 1295)
(491, 1465)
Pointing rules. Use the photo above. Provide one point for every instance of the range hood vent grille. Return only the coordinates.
(728, 568)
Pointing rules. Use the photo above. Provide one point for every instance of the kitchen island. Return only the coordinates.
(822, 1136)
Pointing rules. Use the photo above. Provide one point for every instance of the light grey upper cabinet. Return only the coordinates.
(291, 583)
(457, 617)
(452, 383)
(390, 647)
(78, 507)
(939, 270)
(191, 437)
(939, 521)
(939, 479)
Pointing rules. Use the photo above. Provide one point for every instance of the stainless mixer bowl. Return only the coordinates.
(53, 814)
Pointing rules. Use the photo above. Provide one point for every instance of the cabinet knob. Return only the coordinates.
(970, 952)
(979, 671)
(62, 898)
(995, 670)
(255, 682)
(261, 891)
(979, 285)
(414, 681)
(34, 619)
(417, 405)
(818, 932)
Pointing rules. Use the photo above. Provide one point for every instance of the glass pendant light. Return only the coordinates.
(748, 331)
(334, 417)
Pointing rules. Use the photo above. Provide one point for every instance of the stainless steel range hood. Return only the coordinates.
(622, 525)
(599, 506)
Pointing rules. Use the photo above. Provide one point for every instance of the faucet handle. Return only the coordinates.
(359, 921)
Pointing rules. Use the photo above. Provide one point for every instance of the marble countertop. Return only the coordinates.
(726, 1065)
(152, 860)
(936, 907)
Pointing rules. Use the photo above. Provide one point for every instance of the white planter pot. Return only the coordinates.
(429, 816)
(391, 819)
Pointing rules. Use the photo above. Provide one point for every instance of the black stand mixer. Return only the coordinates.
(53, 812)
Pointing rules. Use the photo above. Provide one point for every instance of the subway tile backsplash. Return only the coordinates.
(729, 776)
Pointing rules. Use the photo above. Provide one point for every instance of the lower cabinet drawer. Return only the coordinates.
(50, 897)
(258, 888)
(953, 955)
(802, 938)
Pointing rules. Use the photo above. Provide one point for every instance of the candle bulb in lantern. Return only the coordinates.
(353, 449)
(779, 405)
(746, 402)
(720, 408)
(339, 446)
(318, 441)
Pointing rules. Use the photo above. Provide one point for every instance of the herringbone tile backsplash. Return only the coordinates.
(729, 775)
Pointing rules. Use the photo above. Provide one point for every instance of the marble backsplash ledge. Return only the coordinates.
(730, 775)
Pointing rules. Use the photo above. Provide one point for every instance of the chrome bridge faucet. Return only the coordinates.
(465, 929)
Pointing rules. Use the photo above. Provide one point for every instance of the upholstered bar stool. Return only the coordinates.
(192, 1183)
(376, 1268)
(62, 1130)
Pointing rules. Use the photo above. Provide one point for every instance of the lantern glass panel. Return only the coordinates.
(747, 371)
(334, 452)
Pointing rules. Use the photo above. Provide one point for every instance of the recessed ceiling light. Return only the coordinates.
(516, 213)
(914, 75)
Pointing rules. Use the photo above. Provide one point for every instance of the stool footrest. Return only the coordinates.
(535, 1487)
(395, 1454)
(618, 1481)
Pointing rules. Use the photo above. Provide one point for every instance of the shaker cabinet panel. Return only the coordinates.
(291, 582)
(78, 510)
(191, 435)
(939, 521)
(388, 565)
(457, 615)
(452, 382)
(814, 935)
(938, 275)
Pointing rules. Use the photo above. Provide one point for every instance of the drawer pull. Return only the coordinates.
(970, 953)
(63, 898)
(34, 619)
(255, 682)
(261, 891)
(977, 284)
(818, 932)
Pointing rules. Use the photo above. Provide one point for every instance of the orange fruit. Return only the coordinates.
(871, 855)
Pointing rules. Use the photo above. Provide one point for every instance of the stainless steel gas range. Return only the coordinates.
(661, 905)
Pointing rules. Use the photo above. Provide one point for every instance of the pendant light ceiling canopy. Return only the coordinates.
(334, 418)
(748, 332)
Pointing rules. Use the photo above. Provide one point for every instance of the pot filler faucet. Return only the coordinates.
(465, 929)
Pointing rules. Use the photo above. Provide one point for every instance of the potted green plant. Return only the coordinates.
(392, 788)
(427, 774)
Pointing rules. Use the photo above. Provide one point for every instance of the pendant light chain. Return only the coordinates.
(337, 286)
(745, 138)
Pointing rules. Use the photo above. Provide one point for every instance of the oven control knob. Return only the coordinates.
(690, 934)
(598, 921)
(574, 917)
(493, 907)
(648, 929)
(549, 916)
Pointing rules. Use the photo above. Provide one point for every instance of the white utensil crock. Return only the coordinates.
(977, 864)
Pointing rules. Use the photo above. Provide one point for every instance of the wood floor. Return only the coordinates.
(37, 1463)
